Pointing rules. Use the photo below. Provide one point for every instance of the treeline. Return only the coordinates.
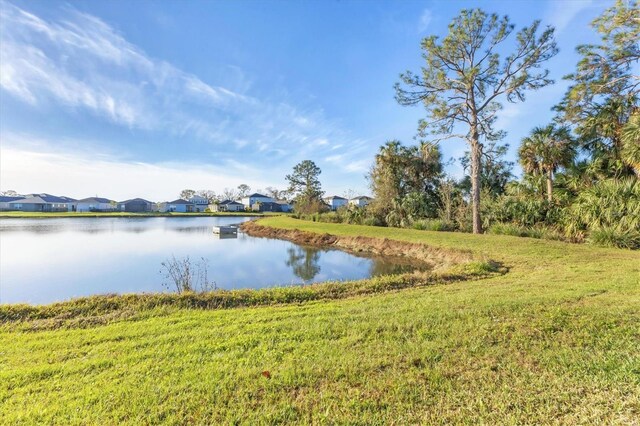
(580, 171)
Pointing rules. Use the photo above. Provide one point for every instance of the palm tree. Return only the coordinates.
(631, 143)
(544, 151)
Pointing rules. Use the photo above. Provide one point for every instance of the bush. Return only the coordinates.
(525, 210)
(544, 232)
(331, 217)
(372, 221)
(609, 203)
(608, 213)
(433, 225)
(613, 237)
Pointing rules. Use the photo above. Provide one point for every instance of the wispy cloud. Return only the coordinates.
(425, 20)
(560, 14)
(77, 62)
(82, 62)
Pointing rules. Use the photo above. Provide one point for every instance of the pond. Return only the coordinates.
(49, 260)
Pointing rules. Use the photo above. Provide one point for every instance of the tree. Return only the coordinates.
(350, 193)
(230, 194)
(606, 68)
(9, 193)
(605, 91)
(208, 194)
(404, 181)
(631, 143)
(243, 190)
(276, 194)
(495, 171)
(185, 194)
(544, 151)
(464, 79)
(305, 186)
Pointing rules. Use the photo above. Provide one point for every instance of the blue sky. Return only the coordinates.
(145, 98)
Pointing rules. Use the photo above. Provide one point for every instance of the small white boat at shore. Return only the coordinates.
(225, 229)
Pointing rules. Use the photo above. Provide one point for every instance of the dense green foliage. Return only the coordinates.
(405, 182)
(553, 341)
(580, 171)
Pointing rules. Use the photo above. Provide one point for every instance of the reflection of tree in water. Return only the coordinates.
(382, 267)
(304, 262)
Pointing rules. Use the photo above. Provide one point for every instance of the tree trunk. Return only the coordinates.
(475, 179)
(550, 186)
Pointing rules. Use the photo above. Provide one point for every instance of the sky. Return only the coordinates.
(142, 98)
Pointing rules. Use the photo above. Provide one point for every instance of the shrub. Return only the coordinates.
(331, 217)
(372, 221)
(521, 209)
(610, 236)
(606, 212)
(433, 225)
(514, 230)
(544, 232)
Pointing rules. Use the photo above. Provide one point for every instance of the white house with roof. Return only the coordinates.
(335, 202)
(360, 201)
(255, 198)
(96, 204)
(176, 206)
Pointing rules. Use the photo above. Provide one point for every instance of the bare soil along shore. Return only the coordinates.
(436, 258)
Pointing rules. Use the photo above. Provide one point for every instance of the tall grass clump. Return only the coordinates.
(612, 237)
(185, 276)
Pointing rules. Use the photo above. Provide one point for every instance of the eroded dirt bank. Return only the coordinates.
(436, 258)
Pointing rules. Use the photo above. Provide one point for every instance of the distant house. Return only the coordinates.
(96, 204)
(71, 203)
(227, 206)
(252, 199)
(360, 201)
(335, 202)
(177, 206)
(267, 206)
(136, 205)
(198, 204)
(40, 203)
(285, 206)
(5, 200)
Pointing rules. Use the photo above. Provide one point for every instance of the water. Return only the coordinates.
(48, 260)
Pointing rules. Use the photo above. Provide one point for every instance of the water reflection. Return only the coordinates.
(46, 260)
(193, 229)
(303, 261)
(230, 236)
(390, 266)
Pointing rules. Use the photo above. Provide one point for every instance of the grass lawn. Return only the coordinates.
(556, 340)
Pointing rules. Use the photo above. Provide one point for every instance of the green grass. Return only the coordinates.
(556, 340)
(37, 215)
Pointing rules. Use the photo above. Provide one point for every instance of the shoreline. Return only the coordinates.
(444, 265)
(436, 258)
(98, 215)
